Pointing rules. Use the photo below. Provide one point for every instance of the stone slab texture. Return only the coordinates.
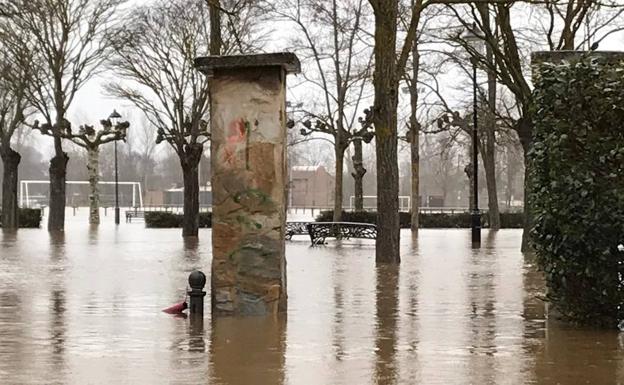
(248, 159)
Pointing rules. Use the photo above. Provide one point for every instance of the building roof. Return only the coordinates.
(307, 168)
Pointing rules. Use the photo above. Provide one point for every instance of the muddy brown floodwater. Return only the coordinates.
(84, 308)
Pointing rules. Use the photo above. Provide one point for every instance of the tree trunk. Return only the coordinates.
(189, 161)
(358, 175)
(58, 172)
(415, 191)
(93, 171)
(10, 209)
(489, 155)
(510, 178)
(414, 138)
(385, 121)
(215, 27)
(525, 129)
(489, 164)
(339, 150)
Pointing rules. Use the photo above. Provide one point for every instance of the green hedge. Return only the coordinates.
(459, 220)
(577, 185)
(28, 218)
(163, 219)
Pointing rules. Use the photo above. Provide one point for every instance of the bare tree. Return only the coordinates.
(72, 38)
(330, 40)
(388, 71)
(154, 55)
(506, 44)
(413, 78)
(16, 80)
(91, 139)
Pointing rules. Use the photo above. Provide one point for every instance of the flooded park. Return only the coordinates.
(85, 308)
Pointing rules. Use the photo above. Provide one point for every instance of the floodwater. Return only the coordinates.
(84, 308)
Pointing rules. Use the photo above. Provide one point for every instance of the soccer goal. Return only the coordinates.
(370, 202)
(27, 199)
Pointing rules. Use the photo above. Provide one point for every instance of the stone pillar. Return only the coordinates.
(248, 158)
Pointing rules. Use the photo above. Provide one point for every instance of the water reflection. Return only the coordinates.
(338, 325)
(248, 350)
(481, 313)
(57, 307)
(197, 341)
(387, 305)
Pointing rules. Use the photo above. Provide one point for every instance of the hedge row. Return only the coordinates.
(577, 188)
(28, 218)
(163, 219)
(433, 221)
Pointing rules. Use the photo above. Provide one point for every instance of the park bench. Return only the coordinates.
(295, 228)
(319, 231)
(134, 214)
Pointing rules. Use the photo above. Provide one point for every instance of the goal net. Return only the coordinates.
(36, 193)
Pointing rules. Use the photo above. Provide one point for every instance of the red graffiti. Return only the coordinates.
(236, 135)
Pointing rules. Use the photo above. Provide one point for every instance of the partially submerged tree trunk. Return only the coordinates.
(414, 133)
(525, 128)
(339, 151)
(93, 171)
(189, 160)
(385, 122)
(414, 139)
(58, 173)
(358, 174)
(489, 164)
(489, 153)
(10, 209)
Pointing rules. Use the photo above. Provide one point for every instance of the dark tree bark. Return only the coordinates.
(58, 173)
(414, 133)
(489, 164)
(10, 209)
(358, 174)
(385, 121)
(489, 150)
(189, 161)
(216, 41)
(525, 129)
(339, 152)
(414, 139)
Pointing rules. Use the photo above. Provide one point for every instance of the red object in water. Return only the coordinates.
(177, 308)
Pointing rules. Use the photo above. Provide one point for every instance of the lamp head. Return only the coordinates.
(114, 117)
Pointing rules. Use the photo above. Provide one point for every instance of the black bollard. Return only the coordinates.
(197, 281)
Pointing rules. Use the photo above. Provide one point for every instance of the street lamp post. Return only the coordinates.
(475, 42)
(114, 118)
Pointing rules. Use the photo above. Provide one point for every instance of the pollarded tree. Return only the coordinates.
(330, 40)
(91, 139)
(154, 55)
(72, 38)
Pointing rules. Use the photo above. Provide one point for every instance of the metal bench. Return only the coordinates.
(134, 214)
(295, 228)
(319, 231)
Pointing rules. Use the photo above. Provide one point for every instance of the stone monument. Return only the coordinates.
(248, 159)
